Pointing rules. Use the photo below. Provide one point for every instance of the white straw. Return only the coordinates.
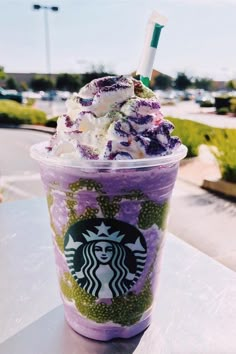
(148, 54)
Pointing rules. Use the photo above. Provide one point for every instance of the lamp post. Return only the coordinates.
(46, 30)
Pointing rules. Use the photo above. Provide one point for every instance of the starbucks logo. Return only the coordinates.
(105, 256)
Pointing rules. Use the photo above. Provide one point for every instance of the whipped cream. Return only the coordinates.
(113, 118)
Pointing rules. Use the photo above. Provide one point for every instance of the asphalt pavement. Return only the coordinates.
(192, 111)
(205, 221)
(19, 174)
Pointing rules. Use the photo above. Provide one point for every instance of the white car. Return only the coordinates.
(63, 95)
(31, 94)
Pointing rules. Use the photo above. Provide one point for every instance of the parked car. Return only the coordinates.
(204, 96)
(167, 97)
(11, 95)
(49, 95)
(187, 95)
(31, 94)
(63, 95)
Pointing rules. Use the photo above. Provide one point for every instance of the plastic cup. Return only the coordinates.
(108, 221)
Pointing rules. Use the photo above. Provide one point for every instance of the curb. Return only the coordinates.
(212, 184)
(220, 186)
(37, 128)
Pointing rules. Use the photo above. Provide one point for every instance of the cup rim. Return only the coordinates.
(39, 153)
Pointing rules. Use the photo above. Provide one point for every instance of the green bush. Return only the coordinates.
(223, 146)
(52, 122)
(191, 133)
(223, 111)
(222, 102)
(30, 102)
(14, 113)
(233, 105)
(222, 143)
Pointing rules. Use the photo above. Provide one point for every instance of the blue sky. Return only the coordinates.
(198, 39)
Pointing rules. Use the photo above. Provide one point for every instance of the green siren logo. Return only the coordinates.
(105, 256)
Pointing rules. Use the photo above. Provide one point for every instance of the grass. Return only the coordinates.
(222, 143)
(191, 134)
(223, 147)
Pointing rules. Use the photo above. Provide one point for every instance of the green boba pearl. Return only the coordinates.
(108, 208)
(98, 187)
(49, 200)
(117, 199)
(101, 199)
(60, 243)
(74, 187)
(152, 213)
(129, 309)
(66, 289)
(70, 203)
(88, 213)
(124, 310)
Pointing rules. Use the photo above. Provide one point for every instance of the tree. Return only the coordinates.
(68, 82)
(41, 83)
(2, 73)
(23, 86)
(182, 82)
(95, 73)
(163, 82)
(203, 83)
(231, 85)
(11, 83)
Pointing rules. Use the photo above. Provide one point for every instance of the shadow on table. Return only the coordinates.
(51, 334)
(76, 344)
(219, 205)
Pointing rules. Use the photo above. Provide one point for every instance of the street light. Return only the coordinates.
(46, 30)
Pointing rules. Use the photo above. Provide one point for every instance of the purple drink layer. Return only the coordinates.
(115, 221)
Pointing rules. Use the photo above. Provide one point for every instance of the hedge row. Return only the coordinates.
(225, 104)
(222, 143)
(14, 113)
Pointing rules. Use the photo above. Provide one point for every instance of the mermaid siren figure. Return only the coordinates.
(101, 262)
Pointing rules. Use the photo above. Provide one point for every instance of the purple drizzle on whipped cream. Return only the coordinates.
(113, 118)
